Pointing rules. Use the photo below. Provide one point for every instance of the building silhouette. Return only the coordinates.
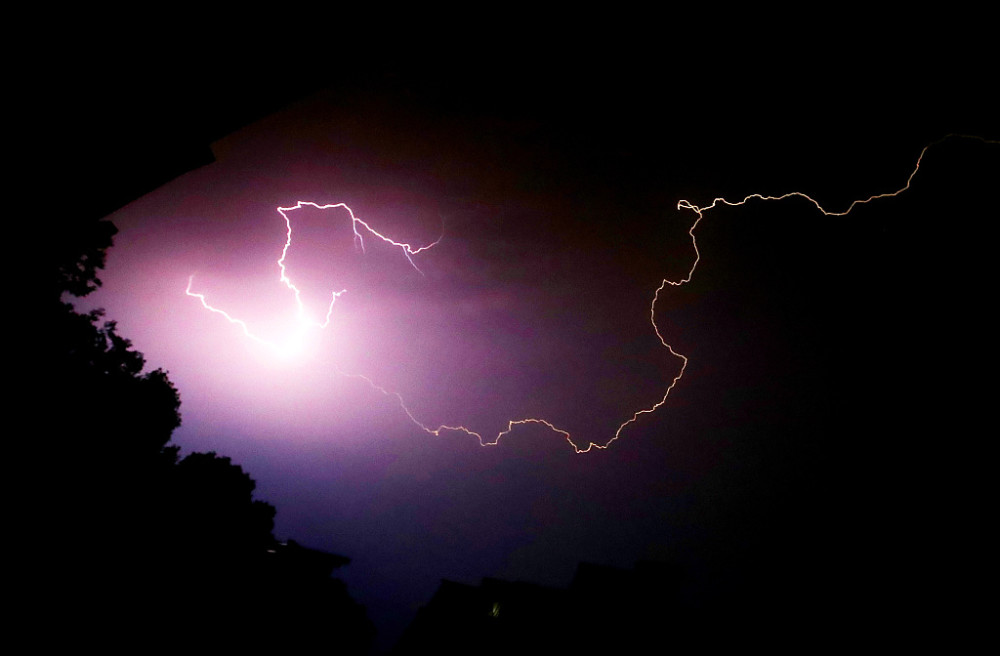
(604, 610)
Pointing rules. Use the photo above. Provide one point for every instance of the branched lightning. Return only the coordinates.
(409, 251)
(239, 322)
(304, 324)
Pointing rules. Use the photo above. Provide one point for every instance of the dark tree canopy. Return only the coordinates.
(149, 533)
(107, 396)
(75, 253)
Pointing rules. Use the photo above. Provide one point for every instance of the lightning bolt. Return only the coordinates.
(304, 324)
(409, 252)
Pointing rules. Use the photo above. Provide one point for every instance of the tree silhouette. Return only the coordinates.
(75, 254)
(147, 532)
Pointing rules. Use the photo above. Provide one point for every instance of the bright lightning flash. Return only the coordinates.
(295, 341)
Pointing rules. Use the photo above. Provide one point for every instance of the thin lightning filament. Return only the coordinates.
(409, 252)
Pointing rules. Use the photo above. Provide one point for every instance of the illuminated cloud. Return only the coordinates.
(295, 342)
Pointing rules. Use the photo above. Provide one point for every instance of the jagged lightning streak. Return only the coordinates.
(699, 215)
(699, 212)
(303, 323)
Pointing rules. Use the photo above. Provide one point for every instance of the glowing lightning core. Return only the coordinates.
(409, 251)
(304, 324)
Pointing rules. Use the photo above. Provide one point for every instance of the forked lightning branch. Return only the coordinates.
(362, 228)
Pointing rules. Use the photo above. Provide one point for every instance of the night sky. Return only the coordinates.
(821, 449)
